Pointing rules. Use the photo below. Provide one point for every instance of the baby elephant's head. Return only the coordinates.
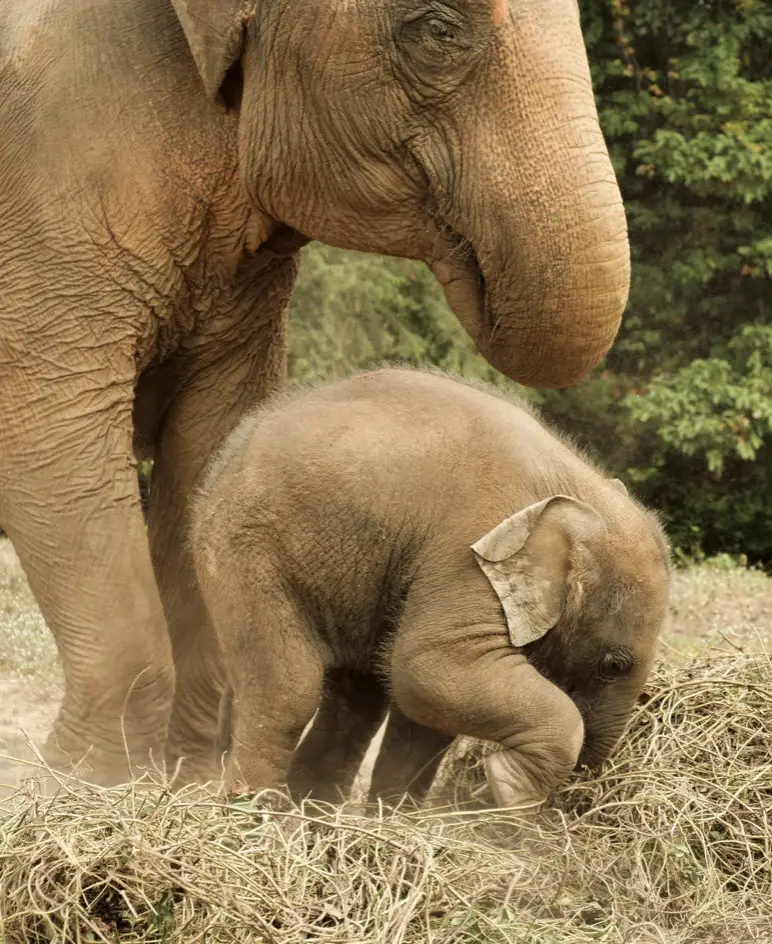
(585, 596)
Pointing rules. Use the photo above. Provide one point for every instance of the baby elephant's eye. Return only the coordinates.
(615, 663)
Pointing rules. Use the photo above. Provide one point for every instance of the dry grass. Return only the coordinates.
(672, 844)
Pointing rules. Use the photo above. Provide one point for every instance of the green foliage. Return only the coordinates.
(351, 311)
(719, 407)
(683, 405)
(685, 96)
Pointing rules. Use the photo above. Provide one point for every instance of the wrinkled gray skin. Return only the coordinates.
(161, 162)
(333, 540)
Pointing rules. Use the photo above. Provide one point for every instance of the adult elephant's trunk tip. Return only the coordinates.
(555, 339)
(547, 320)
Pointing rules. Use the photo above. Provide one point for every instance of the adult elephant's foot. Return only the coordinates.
(117, 737)
(99, 598)
(76, 757)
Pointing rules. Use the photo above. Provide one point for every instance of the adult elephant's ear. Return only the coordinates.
(527, 560)
(214, 30)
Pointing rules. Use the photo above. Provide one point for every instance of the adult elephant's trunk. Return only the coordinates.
(543, 290)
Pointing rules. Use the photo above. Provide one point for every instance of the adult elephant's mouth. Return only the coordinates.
(460, 274)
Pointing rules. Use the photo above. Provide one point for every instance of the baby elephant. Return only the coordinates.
(401, 541)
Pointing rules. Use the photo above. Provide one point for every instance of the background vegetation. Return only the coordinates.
(682, 407)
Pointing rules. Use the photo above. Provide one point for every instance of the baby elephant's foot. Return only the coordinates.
(510, 788)
(523, 780)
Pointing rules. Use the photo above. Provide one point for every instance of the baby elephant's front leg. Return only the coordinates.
(494, 695)
(536, 760)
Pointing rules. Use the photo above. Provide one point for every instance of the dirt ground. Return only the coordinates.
(714, 609)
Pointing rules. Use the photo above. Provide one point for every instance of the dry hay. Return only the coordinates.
(673, 843)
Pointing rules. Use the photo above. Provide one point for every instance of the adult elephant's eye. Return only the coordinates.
(441, 30)
(434, 37)
(438, 47)
(614, 664)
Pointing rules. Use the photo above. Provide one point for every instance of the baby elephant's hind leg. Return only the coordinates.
(326, 762)
(408, 759)
(276, 672)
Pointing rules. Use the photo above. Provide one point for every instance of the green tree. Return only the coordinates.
(684, 89)
(351, 311)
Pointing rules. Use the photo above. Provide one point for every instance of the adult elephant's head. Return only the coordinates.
(460, 132)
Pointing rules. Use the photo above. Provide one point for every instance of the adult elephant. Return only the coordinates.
(161, 161)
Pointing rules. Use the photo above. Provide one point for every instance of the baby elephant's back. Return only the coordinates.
(338, 488)
(363, 453)
(388, 448)
(364, 469)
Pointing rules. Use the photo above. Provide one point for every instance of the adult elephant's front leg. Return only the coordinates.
(69, 501)
(221, 378)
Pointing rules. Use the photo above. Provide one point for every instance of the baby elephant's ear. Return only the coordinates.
(527, 560)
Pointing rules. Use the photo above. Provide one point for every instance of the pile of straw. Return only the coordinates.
(673, 844)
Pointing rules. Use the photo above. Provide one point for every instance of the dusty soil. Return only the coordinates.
(714, 608)
(719, 608)
(30, 676)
